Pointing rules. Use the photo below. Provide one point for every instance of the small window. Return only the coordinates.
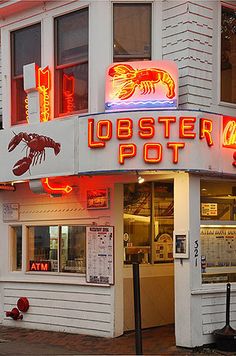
(57, 249)
(16, 248)
(71, 67)
(131, 32)
(228, 58)
(25, 49)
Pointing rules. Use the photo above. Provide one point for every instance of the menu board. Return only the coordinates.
(100, 254)
(219, 246)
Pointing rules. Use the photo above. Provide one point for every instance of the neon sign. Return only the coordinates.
(51, 188)
(146, 128)
(141, 85)
(229, 132)
(42, 266)
(68, 92)
(41, 82)
(44, 87)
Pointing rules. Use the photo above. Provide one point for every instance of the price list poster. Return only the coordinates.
(100, 254)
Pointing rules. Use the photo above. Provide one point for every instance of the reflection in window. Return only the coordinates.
(132, 32)
(218, 200)
(228, 52)
(148, 222)
(25, 49)
(16, 251)
(44, 251)
(71, 55)
(73, 249)
(218, 242)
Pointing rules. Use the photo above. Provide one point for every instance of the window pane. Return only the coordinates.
(132, 32)
(218, 200)
(163, 221)
(73, 92)
(72, 37)
(26, 48)
(18, 99)
(228, 55)
(43, 246)
(17, 248)
(73, 249)
(137, 217)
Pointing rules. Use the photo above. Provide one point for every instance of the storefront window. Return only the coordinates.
(45, 255)
(148, 222)
(218, 240)
(228, 54)
(16, 250)
(132, 32)
(71, 56)
(25, 49)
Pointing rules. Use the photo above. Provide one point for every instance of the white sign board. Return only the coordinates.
(100, 254)
(10, 212)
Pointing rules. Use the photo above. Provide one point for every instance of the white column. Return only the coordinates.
(100, 51)
(188, 327)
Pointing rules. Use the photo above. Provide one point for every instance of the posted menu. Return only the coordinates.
(100, 254)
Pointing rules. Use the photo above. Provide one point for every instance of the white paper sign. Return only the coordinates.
(100, 254)
(10, 212)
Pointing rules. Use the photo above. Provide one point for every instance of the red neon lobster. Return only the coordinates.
(126, 79)
(36, 145)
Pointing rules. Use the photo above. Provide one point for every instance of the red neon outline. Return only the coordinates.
(152, 146)
(229, 132)
(49, 188)
(175, 146)
(166, 120)
(68, 89)
(91, 142)
(126, 128)
(206, 127)
(44, 87)
(123, 155)
(187, 124)
(100, 125)
(146, 131)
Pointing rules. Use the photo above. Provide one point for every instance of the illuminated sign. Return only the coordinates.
(42, 266)
(37, 80)
(229, 132)
(68, 93)
(141, 85)
(51, 188)
(125, 129)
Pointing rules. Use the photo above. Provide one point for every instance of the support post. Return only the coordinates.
(137, 309)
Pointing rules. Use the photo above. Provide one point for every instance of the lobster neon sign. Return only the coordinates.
(141, 85)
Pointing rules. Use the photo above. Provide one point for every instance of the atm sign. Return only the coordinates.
(42, 266)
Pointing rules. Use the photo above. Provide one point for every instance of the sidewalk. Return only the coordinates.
(156, 341)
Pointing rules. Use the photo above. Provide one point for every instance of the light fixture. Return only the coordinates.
(140, 179)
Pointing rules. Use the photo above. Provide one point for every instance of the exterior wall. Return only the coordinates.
(187, 32)
(59, 301)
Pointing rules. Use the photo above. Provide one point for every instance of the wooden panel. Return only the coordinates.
(81, 309)
(157, 301)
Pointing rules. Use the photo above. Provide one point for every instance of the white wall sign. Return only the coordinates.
(100, 254)
(10, 212)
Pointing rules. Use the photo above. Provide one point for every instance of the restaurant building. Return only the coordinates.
(118, 145)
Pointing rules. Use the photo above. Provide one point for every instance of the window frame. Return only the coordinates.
(134, 58)
(13, 248)
(59, 225)
(15, 78)
(59, 67)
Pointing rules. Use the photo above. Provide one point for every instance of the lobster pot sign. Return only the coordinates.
(38, 150)
(142, 85)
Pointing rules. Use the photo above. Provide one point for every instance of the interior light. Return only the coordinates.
(140, 179)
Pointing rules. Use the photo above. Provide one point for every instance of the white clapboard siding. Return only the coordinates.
(187, 33)
(68, 308)
(0, 81)
(214, 312)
